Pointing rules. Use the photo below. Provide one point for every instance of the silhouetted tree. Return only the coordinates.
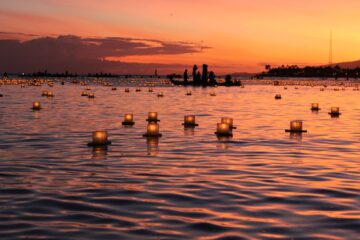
(186, 76)
(228, 81)
(195, 68)
(212, 80)
(205, 75)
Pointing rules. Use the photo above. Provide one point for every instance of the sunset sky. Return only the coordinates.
(138, 36)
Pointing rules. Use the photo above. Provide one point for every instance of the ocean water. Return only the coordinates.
(262, 183)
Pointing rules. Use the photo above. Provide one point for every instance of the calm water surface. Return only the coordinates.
(261, 184)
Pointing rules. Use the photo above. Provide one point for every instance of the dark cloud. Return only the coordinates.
(83, 55)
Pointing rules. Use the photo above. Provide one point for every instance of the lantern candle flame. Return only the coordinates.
(228, 121)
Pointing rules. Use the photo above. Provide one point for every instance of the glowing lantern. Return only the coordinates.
(36, 106)
(152, 130)
(150, 90)
(127, 90)
(160, 94)
(99, 138)
(84, 94)
(335, 111)
(296, 126)
(50, 94)
(128, 119)
(228, 121)
(223, 130)
(91, 95)
(152, 117)
(278, 96)
(315, 107)
(138, 89)
(189, 121)
(188, 93)
(113, 89)
(44, 93)
(213, 94)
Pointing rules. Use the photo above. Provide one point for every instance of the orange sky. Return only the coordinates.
(243, 34)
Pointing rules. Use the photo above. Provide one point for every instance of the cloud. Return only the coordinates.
(83, 55)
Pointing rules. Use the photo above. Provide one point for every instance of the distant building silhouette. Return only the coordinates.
(195, 68)
(186, 76)
(205, 75)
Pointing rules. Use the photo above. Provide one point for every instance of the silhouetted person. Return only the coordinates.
(205, 75)
(198, 77)
(195, 68)
(186, 76)
(212, 80)
(228, 81)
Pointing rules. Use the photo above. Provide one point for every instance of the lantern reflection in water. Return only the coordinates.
(152, 146)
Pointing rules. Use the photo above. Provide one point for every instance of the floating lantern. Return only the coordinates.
(44, 93)
(189, 121)
(50, 94)
(322, 89)
(160, 94)
(152, 130)
(188, 93)
(36, 106)
(213, 94)
(91, 95)
(315, 107)
(223, 130)
(285, 88)
(150, 90)
(278, 96)
(152, 117)
(128, 119)
(99, 138)
(84, 94)
(296, 126)
(228, 121)
(113, 89)
(88, 89)
(1, 95)
(138, 89)
(335, 111)
(127, 90)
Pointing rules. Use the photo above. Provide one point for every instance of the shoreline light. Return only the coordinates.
(335, 112)
(128, 119)
(296, 126)
(152, 130)
(229, 121)
(189, 121)
(152, 117)
(223, 130)
(36, 106)
(315, 107)
(99, 138)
